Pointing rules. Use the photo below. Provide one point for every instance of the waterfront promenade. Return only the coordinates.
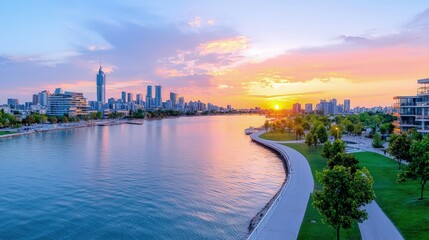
(283, 219)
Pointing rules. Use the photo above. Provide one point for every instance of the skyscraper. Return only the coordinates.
(346, 105)
(101, 86)
(139, 98)
(124, 96)
(149, 97)
(308, 107)
(130, 97)
(158, 96)
(173, 99)
(43, 97)
(296, 108)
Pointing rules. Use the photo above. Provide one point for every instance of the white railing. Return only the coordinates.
(261, 224)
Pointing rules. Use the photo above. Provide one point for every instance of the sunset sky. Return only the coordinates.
(244, 53)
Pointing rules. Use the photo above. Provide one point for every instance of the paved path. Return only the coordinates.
(284, 218)
(378, 225)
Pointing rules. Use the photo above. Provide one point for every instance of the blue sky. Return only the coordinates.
(44, 44)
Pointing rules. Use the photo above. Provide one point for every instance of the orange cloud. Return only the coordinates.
(223, 46)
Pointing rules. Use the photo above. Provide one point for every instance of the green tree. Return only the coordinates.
(342, 195)
(335, 131)
(418, 168)
(315, 140)
(383, 129)
(344, 159)
(309, 139)
(299, 131)
(322, 135)
(399, 147)
(65, 119)
(376, 141)
(266, 124)
(358, 128)
(331, 149)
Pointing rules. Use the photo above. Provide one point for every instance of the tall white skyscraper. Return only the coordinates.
(101, 86)
(173, 99)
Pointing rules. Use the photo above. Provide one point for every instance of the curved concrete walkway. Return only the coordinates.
(283, 219)
(378, 225)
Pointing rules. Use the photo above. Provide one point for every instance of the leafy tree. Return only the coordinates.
(306, 125)
(309, 139)
(358, 128)
(418, 168)
(399, 147)
(299, 131)
(335, 131)
(65, 119)
(344, 159)
(315, 140)
(331, 149)
(383, 129)
(376, 141)
(342, 196)
(266, 124)
(322, 135)
(414, 135)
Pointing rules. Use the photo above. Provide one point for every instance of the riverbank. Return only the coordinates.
(64, 126)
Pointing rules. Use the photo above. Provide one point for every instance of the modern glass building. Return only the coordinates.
(71, 103)
(149, 97)
(413, 111)
(173, 99)
(101, 86)
(158, 96)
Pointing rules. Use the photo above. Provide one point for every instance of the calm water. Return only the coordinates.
(184, 178)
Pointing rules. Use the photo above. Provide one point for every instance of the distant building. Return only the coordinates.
(35, 99)
(139, 98)
(149, 97)
(58, 91)
(308, 107)
(158, 96)
(130, 97)
(413, 111)
(347, 106)
(173, 99)
(101, 86)
(124, 96)
(71, 103)
(296, 108)
(13, 103)
(43, 97)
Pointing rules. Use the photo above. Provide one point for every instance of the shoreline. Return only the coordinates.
(256, 220)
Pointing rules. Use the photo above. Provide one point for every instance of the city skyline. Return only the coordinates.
(208, 52)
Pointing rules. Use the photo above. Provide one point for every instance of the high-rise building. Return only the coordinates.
(181, 104)
(124, 96)
(149, 97)
(58, 91)
(308, 107)
(71, 103)
(173, 99)
(158, 96)
(296, 108)
(413, 111)
(333, 106)
(13, 103)
(101, 86)
(43, 97)
(130, 97)
(35, 99)
(347, 106)
(139, 98)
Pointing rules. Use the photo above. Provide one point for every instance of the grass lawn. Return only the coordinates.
(278, 136)
(317, 230)
(399, 201)
(4, 133)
